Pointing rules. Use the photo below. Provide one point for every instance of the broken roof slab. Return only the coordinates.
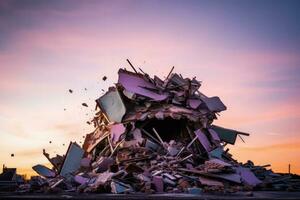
(112, 105)
(227, 135)
(135, 83)
(72, 159)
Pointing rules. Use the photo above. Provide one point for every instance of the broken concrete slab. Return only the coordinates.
(216, 153)
(72, 159)
(116, 130)
(44, 171)
(158, 183)
(248, 177)
(214, 104)
(203, 140)
(119, 188)
(194, 103)
(227, 135)
(112, 105)
(81, 179)
(135, 83)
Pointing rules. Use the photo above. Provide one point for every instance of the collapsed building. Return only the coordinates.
(156, 135)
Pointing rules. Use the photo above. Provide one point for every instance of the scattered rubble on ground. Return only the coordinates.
(155, 136)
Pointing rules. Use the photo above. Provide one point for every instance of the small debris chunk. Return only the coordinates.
(84, 104)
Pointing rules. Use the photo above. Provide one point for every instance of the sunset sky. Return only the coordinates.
(245, 52)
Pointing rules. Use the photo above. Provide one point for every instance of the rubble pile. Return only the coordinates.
(155, 136)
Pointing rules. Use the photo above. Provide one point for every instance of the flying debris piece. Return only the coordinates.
(104, 78)
(65, 109)
(84, 104)
(12, 155)
(85, 89)
(50, 142)
(89, 123)
(71, 91)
